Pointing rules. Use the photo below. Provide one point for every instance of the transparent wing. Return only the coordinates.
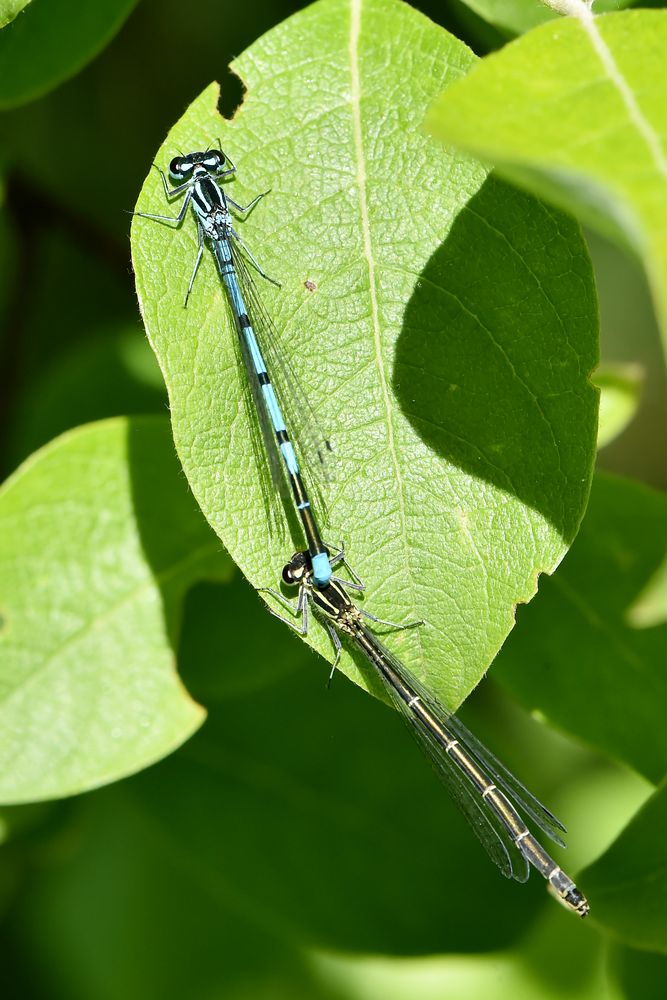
(510, 784)
(517, 792)
(489, 829)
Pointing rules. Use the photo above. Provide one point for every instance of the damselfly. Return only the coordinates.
(197, 176)
(489, 796)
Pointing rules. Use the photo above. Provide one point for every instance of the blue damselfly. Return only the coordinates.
(197, 176)
(490, 797)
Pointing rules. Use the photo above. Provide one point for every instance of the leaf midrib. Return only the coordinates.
(588, 21)
(355, 107)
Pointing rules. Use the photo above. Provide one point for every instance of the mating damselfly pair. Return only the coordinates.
(492, 799)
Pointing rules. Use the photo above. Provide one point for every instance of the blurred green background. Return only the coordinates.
(279, 853)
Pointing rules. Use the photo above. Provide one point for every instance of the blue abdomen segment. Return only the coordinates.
(289, 456)
(272, 405)
(268, 393)
(238, 305)
(253, 356)
(229, 277)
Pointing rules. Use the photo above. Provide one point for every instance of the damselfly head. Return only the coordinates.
(181, 168)
(297, 569)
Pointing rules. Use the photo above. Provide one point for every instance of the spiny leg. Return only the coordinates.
(301, 608)
(393, 625)
(231, 168)
(348, 584)
(338, 646)
(336, 558)
(302, 630)
(177, 190)
(243, 209)
(200, 251)
(168, 218)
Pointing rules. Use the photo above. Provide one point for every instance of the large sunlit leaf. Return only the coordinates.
(99, 539)
(576, 111)
(443, 324)
(51, 41)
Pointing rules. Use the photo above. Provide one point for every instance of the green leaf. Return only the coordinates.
(629, 881)
(514, 17)
(574, 112)
(511, 17)
(97, 546)
(444, 324)
(9, 9)
(576, 657)
(52, 42)
(620, 388)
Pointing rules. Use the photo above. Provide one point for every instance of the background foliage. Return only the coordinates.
(273, 854)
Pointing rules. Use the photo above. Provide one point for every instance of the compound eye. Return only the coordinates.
(175, 168)
(288, 576)
(181, 167)
(214, 161)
